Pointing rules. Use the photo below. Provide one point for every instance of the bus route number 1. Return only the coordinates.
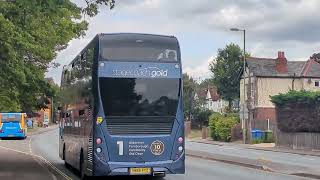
(120, 147)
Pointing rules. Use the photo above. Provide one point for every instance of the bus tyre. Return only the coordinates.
(83, 176)
(67, 165)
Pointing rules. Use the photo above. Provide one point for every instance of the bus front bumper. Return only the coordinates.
(123, 168)
(15, 135)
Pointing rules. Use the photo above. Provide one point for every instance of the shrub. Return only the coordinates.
(201, 116)
(221, 126)
(212, 124)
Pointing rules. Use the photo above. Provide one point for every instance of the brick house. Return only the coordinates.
(271, 76)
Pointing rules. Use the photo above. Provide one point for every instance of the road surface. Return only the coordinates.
(37, 158)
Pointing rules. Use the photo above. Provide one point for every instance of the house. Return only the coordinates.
(211, 99)
(45, 114)
(271, 76)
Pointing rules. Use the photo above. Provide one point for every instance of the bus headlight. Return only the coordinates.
(180, 148)
(99, 150)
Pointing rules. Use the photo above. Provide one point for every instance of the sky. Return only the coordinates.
(203, 26)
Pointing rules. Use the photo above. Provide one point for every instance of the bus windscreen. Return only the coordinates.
(139, 96)
(11, 118)
(136, 49)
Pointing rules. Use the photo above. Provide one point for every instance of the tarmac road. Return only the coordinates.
(46, 145)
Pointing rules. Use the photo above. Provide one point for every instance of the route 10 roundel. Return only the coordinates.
(157, 148)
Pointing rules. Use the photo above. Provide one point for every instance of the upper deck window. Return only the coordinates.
(139, 48)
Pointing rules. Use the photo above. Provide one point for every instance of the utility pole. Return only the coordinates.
(245, 123)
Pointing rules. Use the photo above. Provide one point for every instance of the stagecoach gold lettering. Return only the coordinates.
(137, 148)
(142, 72)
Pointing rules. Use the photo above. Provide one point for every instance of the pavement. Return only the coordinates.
(263, 158)
(39, 130)
(262, 146)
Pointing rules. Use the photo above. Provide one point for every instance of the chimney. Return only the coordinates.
(281, 63)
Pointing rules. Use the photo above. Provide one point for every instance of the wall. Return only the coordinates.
(309, 85)
(272, 86)
(216, 106)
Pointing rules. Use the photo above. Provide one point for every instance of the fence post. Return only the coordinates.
(204, 132)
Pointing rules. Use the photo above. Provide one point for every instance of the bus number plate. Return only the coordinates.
(140, 171)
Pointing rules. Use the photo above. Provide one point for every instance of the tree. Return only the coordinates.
(205, 83)
(189, 86)
(31, 34)
(316, 57)
(226, 69)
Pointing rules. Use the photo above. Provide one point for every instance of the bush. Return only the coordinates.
(309, 97)
(221, 126)
(201, 116)
(298, 111)
(212, 124)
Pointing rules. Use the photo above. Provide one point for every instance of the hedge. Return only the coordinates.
(309, 97)
(298, 111)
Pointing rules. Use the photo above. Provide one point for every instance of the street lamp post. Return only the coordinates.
(244, 123)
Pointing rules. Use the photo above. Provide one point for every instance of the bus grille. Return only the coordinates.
(139, 125)
(90, 149)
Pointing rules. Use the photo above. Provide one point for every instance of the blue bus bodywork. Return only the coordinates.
(12, 125)
(123, 117)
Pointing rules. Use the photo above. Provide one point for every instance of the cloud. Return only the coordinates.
(271, 20)
(287, 25)
(201, 71)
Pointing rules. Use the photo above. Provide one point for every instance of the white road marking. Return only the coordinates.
(42, 159)
(30, 148)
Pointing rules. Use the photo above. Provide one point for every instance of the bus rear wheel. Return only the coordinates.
(83, 176)
(67, 165)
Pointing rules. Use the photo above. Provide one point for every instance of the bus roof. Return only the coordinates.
(142, 36)
(15, 113)
(128, 36)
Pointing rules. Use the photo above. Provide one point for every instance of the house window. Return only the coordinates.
(316, 83)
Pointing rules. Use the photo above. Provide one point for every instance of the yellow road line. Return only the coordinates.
(41, 158)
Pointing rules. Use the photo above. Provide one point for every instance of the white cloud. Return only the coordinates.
(272, 25)
(201, 71)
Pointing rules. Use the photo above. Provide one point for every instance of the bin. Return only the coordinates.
(268, 138)
(257, 134)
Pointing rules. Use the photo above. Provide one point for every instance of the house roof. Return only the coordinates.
(203, 93)
(214, 93)
(267, 67)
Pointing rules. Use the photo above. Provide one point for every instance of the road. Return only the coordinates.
(37, 158)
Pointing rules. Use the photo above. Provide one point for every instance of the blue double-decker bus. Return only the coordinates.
(122, 107)
(13, 125)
